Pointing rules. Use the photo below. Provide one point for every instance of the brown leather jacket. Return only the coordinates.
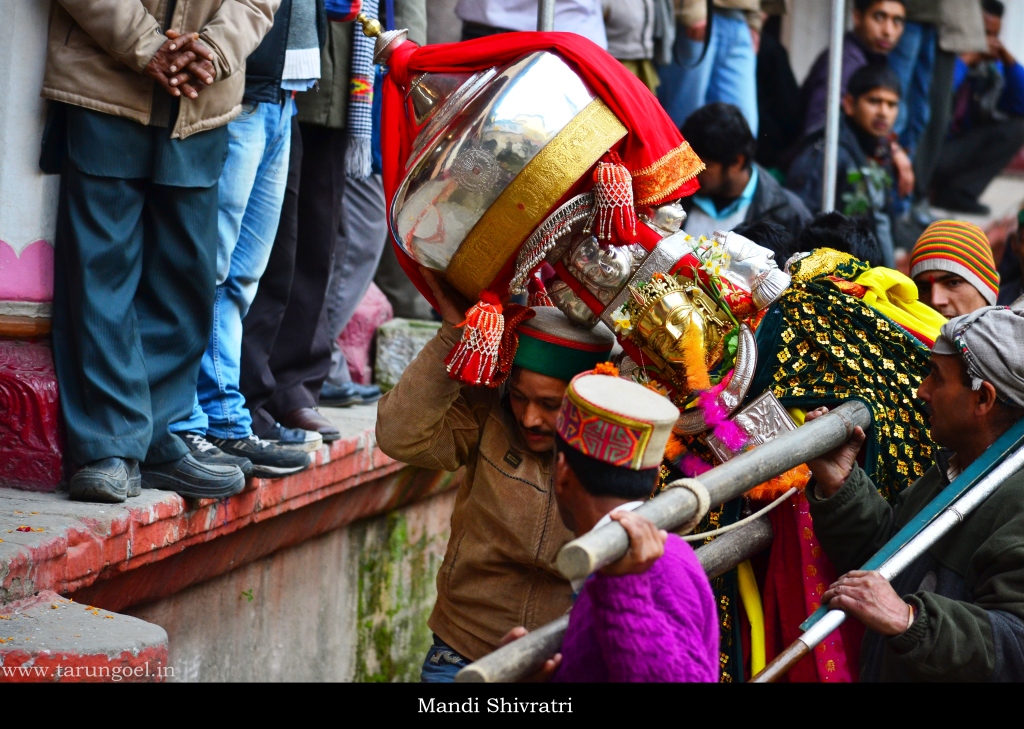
(97, 51)
(498, 571)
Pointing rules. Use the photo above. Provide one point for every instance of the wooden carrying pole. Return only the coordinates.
(674, 507)
(524, 657)
(928, 536)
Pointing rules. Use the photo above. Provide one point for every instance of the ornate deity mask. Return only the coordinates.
(665, 310)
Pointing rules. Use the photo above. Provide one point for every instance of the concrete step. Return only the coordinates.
(48, 638)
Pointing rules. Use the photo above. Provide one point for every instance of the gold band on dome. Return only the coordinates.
(527, 200)
(655, 182)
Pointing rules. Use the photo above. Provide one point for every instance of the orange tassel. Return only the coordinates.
(474, 360)
(615, 216)
(606, 368)
(674, 448)
(697, 377)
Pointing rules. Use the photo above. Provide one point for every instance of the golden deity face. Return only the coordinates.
(667, 317)
(667, 321)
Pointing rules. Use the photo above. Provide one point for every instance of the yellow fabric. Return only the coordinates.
(751, 600)
(799, 415)
(895, 295)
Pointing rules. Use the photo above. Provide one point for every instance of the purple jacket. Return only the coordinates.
(658, 626)
(815, 89)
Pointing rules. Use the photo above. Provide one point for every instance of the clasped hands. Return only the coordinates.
(183, 65)
(866, 596)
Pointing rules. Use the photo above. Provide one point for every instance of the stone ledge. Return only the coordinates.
(52, 543)
(48, 638)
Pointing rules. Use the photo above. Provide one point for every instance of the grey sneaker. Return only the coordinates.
(188, 477)
(206, 452)
(108, 481)
(269, 460)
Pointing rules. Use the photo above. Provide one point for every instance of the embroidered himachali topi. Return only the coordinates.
(657, 626)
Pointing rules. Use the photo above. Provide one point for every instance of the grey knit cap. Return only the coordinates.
(991, 342)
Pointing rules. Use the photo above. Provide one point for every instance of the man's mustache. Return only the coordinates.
(927, 407)
(539, 431)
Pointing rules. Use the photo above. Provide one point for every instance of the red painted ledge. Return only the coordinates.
(52, 543)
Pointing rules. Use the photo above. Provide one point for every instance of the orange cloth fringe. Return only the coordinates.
(776, 487)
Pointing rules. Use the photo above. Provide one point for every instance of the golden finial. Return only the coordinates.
(371, 26)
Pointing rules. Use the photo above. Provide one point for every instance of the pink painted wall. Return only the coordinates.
(28, 277)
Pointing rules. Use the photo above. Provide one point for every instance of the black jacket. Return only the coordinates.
(264, 66)
(807, 171)
(772, 202)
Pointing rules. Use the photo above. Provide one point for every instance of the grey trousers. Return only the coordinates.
(406, 301)
(929, 146)
(362, 235)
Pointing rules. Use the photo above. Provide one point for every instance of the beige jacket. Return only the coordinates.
(498, 571)
(97, 51)
(691, 12)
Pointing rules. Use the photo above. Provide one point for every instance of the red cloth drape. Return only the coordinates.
(651, 133)
(798, 574)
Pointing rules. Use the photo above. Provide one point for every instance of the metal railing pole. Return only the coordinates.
(835, 90)
(925, 539)
(545, 15)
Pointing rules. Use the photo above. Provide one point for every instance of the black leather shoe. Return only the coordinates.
(188, 477)
(351, 393)
(108, 481)
(311, 419)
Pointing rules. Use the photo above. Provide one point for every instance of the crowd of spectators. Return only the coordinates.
(207, 268)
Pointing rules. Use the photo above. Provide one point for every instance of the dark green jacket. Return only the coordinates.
(327, 105)
(968, 589)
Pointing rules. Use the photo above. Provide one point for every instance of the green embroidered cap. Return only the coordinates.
(552, 345)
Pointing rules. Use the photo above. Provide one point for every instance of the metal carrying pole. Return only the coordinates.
(524, 657)
(674, 507)
(949, 518)
(545, 15)
(835, 89)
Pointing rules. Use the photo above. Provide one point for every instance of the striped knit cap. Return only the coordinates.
(961, 248)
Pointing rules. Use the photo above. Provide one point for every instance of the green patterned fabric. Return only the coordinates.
(819, 346)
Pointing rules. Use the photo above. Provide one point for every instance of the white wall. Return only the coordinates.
(1013, 28)
(28, 199)
(805, 32)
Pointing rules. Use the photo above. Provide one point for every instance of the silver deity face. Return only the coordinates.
(469, 163)
(571, 305)
(603, 269)
(665, 219)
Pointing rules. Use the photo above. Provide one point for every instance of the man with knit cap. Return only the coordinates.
(953, 268)
(499, 570)
(633, 621)
(957, 612)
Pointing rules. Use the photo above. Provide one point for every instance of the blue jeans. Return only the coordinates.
(250, 196)
(441, 664)
(728, 72)
(913, 59)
